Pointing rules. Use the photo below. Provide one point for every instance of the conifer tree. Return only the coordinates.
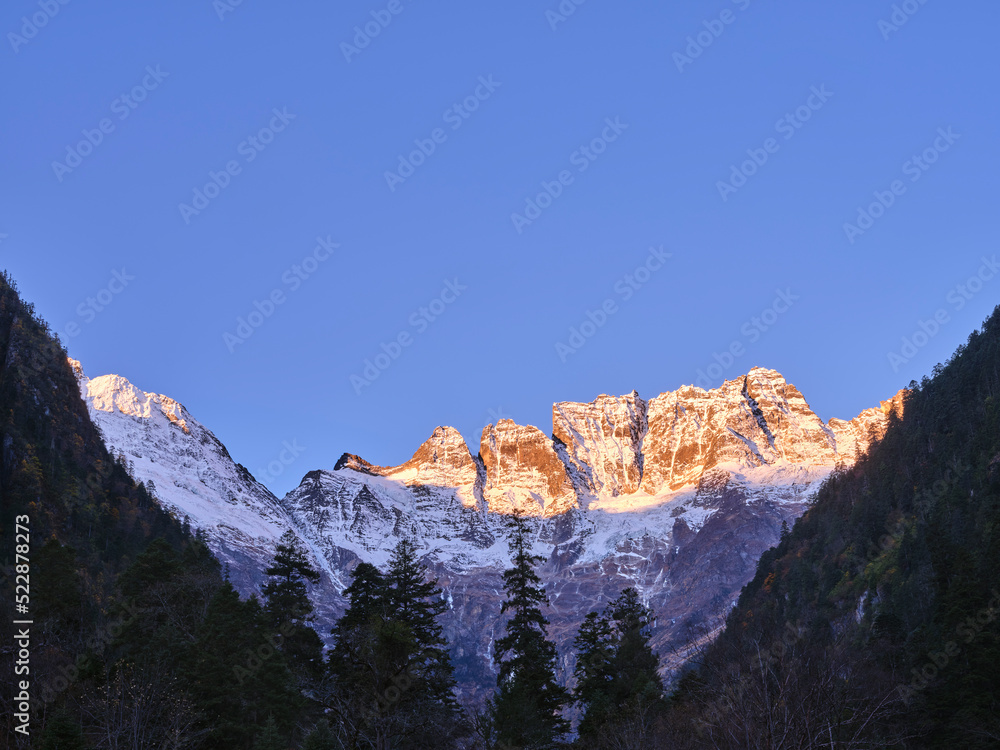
(417, 603)
(269, 738)
(636, 682)
(159, 585)
(62, 733)
(526, 711)
(616, 670)
(594, 672)
(222, 641)
(353, 632)
(236, 678)
(289, 613)
(426, 679)
(321, 738)
(365, 656)
(392, 676)
(366, 596)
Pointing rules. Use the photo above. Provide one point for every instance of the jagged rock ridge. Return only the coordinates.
(677, 496)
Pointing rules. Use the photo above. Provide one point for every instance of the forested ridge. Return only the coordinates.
(874, 622)
(137, 638)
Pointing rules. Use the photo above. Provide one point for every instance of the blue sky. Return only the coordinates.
(538, 156)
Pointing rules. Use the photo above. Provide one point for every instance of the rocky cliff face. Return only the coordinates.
(443, 460)
(677, 496)
(524, 473)
(603, 442)
(756, 421)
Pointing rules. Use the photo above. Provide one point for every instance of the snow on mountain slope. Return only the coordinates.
(678, 496)
(192, 475)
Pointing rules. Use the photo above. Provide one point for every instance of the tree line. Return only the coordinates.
(200, 667)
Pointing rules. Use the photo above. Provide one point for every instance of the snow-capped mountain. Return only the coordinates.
(193, 476)
(677, 496)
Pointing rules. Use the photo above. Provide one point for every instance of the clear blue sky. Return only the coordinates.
(491, 351)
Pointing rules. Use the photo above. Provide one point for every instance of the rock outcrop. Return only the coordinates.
(524, 473)
(603, 442)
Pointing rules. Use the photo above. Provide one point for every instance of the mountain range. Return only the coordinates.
(678, 496)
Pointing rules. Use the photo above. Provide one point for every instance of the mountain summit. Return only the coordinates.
(614, 447)
(677, 496)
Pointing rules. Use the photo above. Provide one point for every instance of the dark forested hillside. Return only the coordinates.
(136, 637)
(874, 623)
(87, 519)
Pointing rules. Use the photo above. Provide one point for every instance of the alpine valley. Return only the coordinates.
(677, 496)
